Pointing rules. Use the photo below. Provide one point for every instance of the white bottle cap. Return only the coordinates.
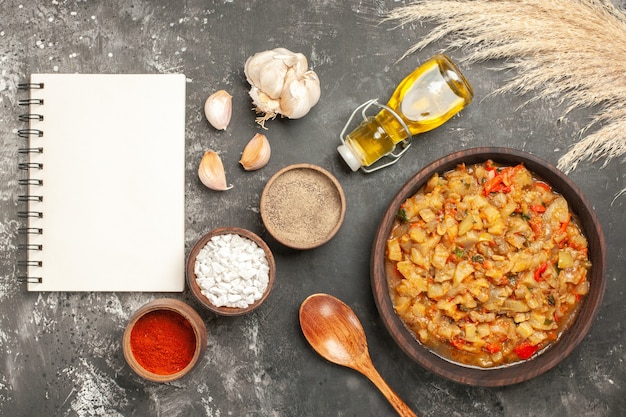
(348, 155)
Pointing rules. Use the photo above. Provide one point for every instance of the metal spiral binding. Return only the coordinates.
(28, 246)
(26, 133)
(30, 150)
(27, 197)
(29, 165)
(26, 117)
(30, 263)
(27, 214)
(34, 280)
(30, 86)
(30, 230)
(30, 101)
(29, 182)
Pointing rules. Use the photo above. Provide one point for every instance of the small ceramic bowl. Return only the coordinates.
(180, 315)
(195, 287)
(303, 206)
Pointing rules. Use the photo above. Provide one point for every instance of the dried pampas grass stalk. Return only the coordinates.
(573, 49)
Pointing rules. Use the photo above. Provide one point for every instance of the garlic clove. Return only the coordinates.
(260, 67)
(256, 154)
(294, 103)
(289, 58)
(211, 172)
(312, 83)
(218, 109)
(254, 66)
(271, 78)
(300, 94)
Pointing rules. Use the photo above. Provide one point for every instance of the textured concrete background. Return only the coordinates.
(60, 353)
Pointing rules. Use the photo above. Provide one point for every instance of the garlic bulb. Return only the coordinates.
(218, 109)
(281, 84)
(211, 172)
(256, 154)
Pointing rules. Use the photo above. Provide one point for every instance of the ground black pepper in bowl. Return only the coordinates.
(303, 206)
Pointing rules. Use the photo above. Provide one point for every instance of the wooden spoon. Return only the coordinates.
(334, 331)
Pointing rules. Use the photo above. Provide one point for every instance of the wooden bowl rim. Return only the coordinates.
(569, 340)
(195, 288)
(185, 311)
(336, 186)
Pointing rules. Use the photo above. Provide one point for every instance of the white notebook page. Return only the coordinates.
(113, 182)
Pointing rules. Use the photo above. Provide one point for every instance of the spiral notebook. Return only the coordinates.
(104, 163)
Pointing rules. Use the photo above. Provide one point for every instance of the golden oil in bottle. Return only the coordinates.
(424, 100)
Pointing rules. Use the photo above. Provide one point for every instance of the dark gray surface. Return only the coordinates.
(60, 352)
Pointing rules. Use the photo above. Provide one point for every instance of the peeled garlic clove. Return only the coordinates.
(218, 109)
(211, 172)
(256, 154)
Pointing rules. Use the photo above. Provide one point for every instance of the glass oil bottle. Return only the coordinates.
(424, 100)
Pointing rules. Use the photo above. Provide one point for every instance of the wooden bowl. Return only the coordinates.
(197, 291)
(549, 358)
(303, 206)
(186, 313)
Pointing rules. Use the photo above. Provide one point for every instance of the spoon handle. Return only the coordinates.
(393, 398)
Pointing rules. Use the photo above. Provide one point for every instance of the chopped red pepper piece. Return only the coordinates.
(540, 270)
(496, 185)
(564, 225)
(525, 350)
(536, 224)
(458, 343)
(501, 188)
(492, 347)
(502, 180)
(543, 185)
(538, 208)
(491, 184)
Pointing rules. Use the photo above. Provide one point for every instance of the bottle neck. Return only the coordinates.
(392, 127)
(376, 137)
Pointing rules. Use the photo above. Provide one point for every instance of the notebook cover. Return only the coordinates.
(113, 166)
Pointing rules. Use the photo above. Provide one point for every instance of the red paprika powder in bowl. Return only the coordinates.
(164, 340)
